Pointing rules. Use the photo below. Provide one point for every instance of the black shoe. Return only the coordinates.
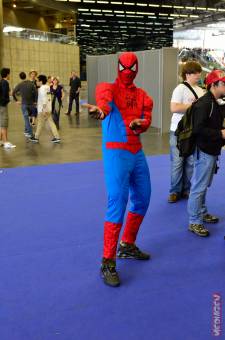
(109, 273)
(34, 140)
(198, 229)
(131, 251)
(208, 218)
(56, 140)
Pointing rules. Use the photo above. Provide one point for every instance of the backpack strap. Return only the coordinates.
(191, 89)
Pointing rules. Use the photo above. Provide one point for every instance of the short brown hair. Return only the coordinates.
(190, 67)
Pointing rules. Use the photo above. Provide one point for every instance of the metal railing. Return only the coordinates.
(32, 34)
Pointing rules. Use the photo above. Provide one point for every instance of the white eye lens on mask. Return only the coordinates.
(121, 67)
(134, 68)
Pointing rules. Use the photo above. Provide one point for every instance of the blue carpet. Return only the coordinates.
(50, 248)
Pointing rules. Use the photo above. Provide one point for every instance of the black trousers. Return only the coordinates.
(73, 96)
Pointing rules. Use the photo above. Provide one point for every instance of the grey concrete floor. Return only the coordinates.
(81, 141)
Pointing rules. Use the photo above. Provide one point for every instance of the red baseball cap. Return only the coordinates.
(214, 76)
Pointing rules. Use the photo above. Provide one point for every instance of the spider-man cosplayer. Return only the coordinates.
(126, 113)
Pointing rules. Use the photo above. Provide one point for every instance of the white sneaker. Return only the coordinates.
(9, 145)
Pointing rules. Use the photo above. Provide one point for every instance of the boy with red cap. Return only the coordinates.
(208, 118)
(126, 113)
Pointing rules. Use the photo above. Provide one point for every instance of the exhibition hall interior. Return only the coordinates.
(112, 139)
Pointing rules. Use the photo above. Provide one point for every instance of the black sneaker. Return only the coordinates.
(208, 218)
(34, 140)
(131, 251)
(56, 140)
(198, 229)
(109, 273)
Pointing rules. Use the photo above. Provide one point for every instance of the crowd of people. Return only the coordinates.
(191, 176)
(41, 99)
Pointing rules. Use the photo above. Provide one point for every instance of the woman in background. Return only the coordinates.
(57, 96)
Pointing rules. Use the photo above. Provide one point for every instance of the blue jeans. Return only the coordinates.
(25, 110)
(181, 169)
(204, 168)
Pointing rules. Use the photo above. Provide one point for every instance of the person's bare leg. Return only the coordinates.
(4, 135)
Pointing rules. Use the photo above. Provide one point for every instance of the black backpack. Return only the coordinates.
(186, 141)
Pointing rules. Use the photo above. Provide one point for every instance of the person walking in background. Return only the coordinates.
(28, 92)
(44, 107)
(33, 113)
(183, 96)
(75, 86)
(57, 96)
(4, 100)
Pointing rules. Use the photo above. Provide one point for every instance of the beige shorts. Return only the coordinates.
(4, 117)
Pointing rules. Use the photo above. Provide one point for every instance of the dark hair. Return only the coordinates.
(5, 72)
(22, 75)
(190, 67)
(42, 78)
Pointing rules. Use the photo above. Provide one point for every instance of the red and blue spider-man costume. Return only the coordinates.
(124, 161)
(126, 113)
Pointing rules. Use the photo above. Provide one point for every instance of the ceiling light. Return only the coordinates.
(8, 29)
(145, 13)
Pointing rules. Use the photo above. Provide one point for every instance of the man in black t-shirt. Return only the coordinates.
(75, 86)
(4, 100)
(208, 117)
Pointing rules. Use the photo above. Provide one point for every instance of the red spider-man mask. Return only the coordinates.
(127, 67)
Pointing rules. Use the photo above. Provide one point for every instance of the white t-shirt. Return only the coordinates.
(183, 95)
(44, 103)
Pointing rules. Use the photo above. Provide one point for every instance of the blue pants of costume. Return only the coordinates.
(125, 173)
